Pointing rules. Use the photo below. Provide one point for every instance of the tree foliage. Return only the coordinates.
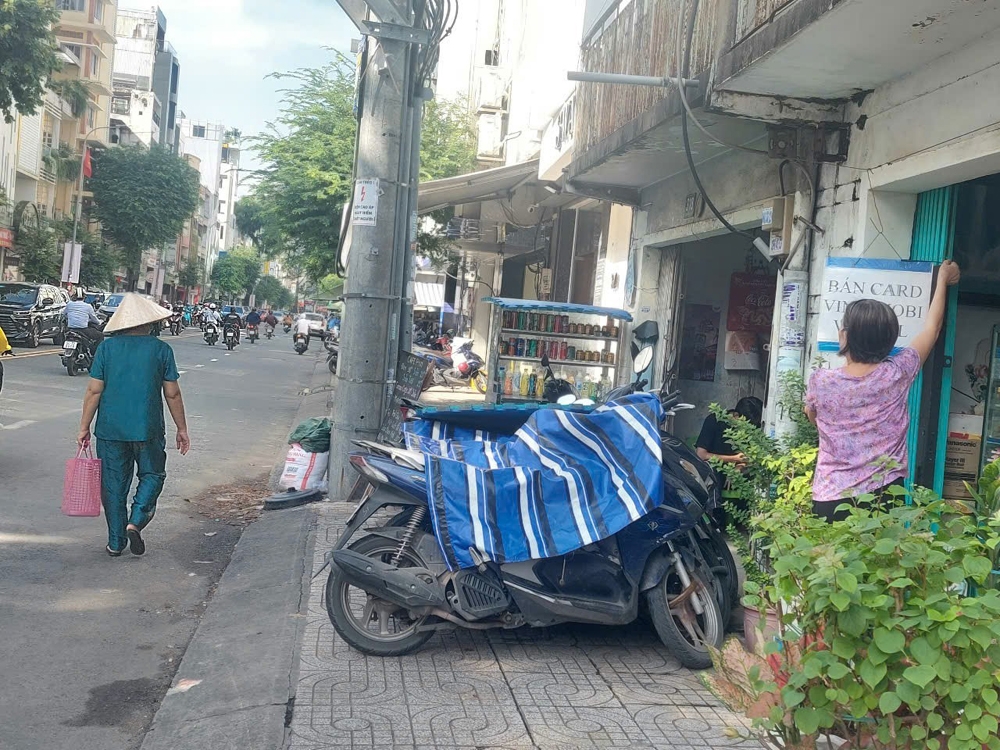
(41, 258)
(271, 291)
(236, 274)
(41, 252)
(191, 274)
(27, 54)
(307, 155)
(142, 198)
(448, 139)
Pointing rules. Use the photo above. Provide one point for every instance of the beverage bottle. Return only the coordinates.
(525, 383)
(540, 387)
(516, 382)
(498, 383)
(532, 379)
(508, 384)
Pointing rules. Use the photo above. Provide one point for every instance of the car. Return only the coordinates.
(239, 309)
(317, 324)
(95, 298)
(32, 312)
(107, 309)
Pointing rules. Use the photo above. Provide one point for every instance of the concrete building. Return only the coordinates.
(229, 182)
(205, 141)
(850, 130)
(135, 107)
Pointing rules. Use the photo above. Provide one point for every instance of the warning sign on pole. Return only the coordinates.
(365, 211)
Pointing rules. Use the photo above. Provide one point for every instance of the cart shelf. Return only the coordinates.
(553, 335)
(554, 362)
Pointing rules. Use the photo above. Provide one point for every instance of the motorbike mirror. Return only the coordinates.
(545, 360)
(585, 402)
(642, 360)
(566, 400)
(635, 350)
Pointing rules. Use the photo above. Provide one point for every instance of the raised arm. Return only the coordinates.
(948, 275)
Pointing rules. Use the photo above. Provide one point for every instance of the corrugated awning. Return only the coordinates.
(475, 186)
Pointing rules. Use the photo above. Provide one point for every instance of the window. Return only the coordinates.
(95, 65)
(198, 131)
(120, 105)
(225, 154)
(222, 233)
(74, 49)
(492, 57)
(77, 5)
(99, 11)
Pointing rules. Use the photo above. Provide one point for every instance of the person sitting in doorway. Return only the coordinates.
(712, 441)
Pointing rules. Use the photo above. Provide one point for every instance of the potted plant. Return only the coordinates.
(881, 645)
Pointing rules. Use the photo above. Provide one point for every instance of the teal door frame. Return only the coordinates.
(934, 240)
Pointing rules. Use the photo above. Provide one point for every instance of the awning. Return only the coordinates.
(429, 294)
(474, 187)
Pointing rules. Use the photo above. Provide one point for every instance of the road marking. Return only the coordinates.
(36, 354)
(213, 360)
(181, 372)
(17, 425)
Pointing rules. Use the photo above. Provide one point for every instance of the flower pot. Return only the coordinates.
(752, 625)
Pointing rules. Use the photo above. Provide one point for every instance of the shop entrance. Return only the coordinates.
(957, 401)
(724, 308)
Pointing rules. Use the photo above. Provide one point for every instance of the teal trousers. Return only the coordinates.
(120, 463)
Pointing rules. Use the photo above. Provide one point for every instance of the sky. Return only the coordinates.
(227, 48)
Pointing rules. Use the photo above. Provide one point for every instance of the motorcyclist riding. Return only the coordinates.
(301, 329)
(81, 318)
(287, 321)
(211, 315)
(233, 320)
(270, 321)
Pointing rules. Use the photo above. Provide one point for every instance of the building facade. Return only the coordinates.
(820, 132)
(135, 107)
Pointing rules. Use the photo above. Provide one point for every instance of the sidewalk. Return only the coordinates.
(568, 687)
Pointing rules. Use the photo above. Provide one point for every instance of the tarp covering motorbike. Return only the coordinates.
(562, 481)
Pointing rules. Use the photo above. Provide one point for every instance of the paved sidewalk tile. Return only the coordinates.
(562, 688)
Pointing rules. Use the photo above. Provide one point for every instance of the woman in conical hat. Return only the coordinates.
(130, 372)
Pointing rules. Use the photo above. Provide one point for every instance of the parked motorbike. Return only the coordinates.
(211, 334)
(77, 354)
(301, 343)
(332, 354)
(252, 334)
(464, 367)
(229, 333)
(388, 591)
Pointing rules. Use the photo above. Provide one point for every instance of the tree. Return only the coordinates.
(191, 274)
(251, 221)
(273, 292)
(27, 54)
(142, 198)
(448, 139)
(41, 258)
(237, 273)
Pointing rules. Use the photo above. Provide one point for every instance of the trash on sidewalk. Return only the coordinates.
(313, 435)
(307, 459)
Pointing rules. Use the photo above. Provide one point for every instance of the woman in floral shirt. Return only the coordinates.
(861, 409)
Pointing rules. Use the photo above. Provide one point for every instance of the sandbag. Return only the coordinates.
(305, 470)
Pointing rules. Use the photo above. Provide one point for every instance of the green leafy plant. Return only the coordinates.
(880, 642)
(74, 92)
(28, 52)
(64, 162)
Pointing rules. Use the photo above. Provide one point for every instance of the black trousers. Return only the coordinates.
(883, 501)
(92, 333)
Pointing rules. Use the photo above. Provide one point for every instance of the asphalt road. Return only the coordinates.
(88, 644)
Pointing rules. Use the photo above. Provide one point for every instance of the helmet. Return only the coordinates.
(556, 388)
(211, 306)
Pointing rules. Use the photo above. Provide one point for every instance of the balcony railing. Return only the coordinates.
(641, 40)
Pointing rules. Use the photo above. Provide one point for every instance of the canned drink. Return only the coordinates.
(614, 331)
(570, 352)
(554, 350)
(520, 347)
(565, 323)
(503, 347)
(572, 327)
(563, 347)
(611, 358)
(550, 323)
(532, 348)
(604, 331)
(512, 346)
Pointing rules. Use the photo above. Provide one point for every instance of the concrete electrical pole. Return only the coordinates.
(377, 275)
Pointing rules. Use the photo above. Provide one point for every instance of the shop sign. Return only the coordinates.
(903, 285)
(6, 237)
(751, 302)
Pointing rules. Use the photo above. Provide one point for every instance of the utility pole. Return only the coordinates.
(377, 275)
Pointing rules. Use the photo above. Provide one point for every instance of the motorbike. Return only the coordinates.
(464, 367)
(287, 327)
(333, 353)
(269, 331)
(390, 590)
(211, 334)
(77, 354)
(176, 324)
(252, 334)
(301, 343)
(229, 333)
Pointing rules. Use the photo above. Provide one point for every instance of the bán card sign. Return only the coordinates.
(365, 211)
(903, 285)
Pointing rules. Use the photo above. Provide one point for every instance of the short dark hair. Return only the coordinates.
(870, 331)
(751, 409)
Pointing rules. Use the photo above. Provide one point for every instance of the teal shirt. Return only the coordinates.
(133, 369)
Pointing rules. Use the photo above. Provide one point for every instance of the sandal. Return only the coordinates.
(135, 543)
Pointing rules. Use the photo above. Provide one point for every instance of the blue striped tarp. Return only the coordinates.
(561, 482)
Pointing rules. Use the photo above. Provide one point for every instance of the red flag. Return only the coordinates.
(88, 167)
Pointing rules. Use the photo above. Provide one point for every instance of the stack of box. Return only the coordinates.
(961, 463)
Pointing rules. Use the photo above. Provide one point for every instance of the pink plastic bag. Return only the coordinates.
(82, 485)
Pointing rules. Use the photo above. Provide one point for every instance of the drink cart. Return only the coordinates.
(583, 344)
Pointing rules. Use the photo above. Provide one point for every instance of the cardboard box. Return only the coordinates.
(961, 461)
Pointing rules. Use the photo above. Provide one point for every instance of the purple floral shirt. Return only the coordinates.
(862, 421)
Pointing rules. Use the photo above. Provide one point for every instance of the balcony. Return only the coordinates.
(818, 49)
(626, 138)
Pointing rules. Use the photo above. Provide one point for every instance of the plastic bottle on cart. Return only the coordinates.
(501, 376)
(540, 387)
(508, 383)
(524, 383)
(516, 382)
(532, 379)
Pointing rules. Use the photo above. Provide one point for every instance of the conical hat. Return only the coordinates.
(135, 311)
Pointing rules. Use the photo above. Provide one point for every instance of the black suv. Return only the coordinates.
(31, 312)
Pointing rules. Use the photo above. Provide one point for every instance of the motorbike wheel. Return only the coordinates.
(331, 364)
(479, 382)
(726, 574)
(367, 624)
(71, 368)
(230, 344)
(686, 633)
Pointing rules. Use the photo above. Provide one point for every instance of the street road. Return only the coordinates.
(88, 644)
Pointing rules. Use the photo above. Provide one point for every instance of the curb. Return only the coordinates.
(236, 683)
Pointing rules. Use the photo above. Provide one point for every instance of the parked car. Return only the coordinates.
(240, 310)
(107, 309)
(32, 312)
(317, 324)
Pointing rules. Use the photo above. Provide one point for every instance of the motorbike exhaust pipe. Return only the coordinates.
(412, 588)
